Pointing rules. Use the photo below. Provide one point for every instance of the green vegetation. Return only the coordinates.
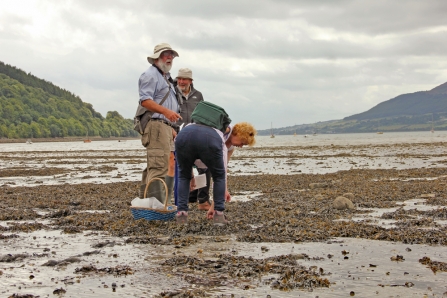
(413, 104)
(419, 111)
(34, 108)
(398, 123)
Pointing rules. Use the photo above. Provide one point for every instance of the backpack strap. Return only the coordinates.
(143, 115)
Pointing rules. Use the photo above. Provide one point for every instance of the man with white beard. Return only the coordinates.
(158, 95)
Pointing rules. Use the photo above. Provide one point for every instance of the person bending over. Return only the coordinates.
(196, 141)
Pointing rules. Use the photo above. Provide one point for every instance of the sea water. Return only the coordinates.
(119, 161)
(261, 141)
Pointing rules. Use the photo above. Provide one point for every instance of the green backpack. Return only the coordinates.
(209, 114)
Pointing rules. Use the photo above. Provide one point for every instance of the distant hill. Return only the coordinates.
(34, 108)
(411, 104)
(419, 111)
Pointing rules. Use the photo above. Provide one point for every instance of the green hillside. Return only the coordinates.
(387, 124)
(411, 104)
(419, 111)
(34, 108)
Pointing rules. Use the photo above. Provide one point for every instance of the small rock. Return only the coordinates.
(428, 195)
(319, 197)
(51, 263)
(349, 195)
(59, 291)
(318, 185)
(341, 203)
(397, 258)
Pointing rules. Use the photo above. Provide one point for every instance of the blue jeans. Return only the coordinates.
(204, 143)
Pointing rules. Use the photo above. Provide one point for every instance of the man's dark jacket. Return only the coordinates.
(188, 105)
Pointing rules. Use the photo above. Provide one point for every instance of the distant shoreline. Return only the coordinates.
(69, 139)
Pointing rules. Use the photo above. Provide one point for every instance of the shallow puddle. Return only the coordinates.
(373, 217)
(245, 196)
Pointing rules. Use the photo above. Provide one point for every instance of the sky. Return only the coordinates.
(272, 63)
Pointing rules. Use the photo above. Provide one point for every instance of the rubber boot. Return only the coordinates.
(141, 191)
(156, 189)
(170, 184)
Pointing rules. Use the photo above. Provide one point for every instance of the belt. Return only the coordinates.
(162, 120)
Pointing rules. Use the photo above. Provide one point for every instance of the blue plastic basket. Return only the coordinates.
(153, 214)
(167, 213)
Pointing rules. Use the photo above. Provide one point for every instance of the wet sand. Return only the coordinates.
(66, 226)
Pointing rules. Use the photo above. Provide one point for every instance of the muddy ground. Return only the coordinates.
(285, 238)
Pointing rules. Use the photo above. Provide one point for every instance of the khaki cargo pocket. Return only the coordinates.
(156, 159)
(146, 137)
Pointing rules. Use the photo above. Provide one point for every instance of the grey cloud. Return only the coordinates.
(420, 44)
(381, 16)
(375, 50)
(369, 17)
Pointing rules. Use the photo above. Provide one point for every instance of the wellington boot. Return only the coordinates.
(141, 191)
(156, 189)
(170, 184)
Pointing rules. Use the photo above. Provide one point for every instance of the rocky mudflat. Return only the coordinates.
(362, 231)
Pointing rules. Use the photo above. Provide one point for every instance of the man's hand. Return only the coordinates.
(172, 116)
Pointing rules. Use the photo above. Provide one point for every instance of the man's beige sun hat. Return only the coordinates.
(160, 48)
(184, 73)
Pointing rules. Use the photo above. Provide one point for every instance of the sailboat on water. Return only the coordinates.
(271, 130)
(378, 125)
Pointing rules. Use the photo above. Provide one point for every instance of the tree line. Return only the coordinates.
(34, 108)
